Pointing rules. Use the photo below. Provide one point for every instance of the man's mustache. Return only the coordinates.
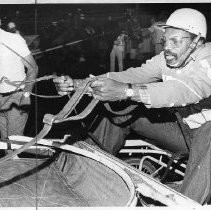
(167, 52)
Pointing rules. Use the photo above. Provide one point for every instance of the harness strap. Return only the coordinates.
(71, 104)
(83, 114)
(41, 135)
(17, 83)
(122, 112)
(50, 119)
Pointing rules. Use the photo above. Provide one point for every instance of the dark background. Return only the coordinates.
(32, 19)
(52, 12)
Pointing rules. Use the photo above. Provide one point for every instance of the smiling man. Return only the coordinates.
(179, 77)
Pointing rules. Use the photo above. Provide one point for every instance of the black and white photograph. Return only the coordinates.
(105, 104)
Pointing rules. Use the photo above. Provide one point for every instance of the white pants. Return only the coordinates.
(119, 53)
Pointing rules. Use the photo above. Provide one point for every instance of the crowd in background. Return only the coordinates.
(98, 36)
(90, 56)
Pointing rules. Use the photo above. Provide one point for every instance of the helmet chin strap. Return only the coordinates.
(183, 60)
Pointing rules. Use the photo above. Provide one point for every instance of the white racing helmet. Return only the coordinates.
(189, 20)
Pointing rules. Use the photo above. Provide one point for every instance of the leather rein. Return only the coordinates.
(62, 116)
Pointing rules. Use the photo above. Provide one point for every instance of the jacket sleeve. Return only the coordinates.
(147, 73)
(182, 89)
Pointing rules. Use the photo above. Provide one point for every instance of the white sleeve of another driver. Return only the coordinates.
(21, 47)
